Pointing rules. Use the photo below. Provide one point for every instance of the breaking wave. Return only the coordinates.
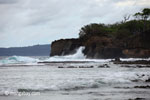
(18, 60)
(29, 60)
(78, 56)
(80, 84)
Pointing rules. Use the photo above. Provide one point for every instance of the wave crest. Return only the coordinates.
(18, 60)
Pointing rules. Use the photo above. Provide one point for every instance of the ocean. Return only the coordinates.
(71, 77)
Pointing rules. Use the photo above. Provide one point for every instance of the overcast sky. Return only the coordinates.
(30, 22)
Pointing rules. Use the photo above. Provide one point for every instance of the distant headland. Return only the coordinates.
(128, 38)
(35, 50)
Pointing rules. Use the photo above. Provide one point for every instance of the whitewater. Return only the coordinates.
(78, 56)
(20, 74)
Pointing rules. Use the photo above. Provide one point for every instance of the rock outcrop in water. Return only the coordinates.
(105, 47)
(125, 39)
(65, 46)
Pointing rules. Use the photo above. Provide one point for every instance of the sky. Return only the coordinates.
(31, 22)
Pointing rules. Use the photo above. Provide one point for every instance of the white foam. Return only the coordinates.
(54, 79)
(18, 60)
(134, 59)
(74, 57)
(78, 56)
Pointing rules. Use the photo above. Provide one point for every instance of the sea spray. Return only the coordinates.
(78, 55)
(72, 57)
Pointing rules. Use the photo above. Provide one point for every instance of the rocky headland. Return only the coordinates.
(124, 39)
(137, 46)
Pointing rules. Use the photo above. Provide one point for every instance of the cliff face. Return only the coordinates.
(105, 47)
(64, 47)
(138, 46)
(101, 47)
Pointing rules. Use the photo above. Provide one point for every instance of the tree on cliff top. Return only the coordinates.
(144, 15)
(92, 29)
(119, 30)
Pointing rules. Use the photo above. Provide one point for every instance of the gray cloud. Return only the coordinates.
(8, 1)
(27, 22)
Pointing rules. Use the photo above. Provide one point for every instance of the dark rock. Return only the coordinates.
(60, 67)
(133, 62)
(137, 99)
(142, 66)
(117, 59)
(86, 66)
(148, 80)
(128, 66)
(64, 46)
(143, 75)
(104, 66)
(123, 87)
(67, 67)
(136, 80)
(91, 66)
(71, 67)
(145, 87)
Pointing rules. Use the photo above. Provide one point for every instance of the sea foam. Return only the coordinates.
(18, 60)
(78, 56)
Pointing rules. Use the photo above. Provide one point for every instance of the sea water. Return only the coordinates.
(46, 81)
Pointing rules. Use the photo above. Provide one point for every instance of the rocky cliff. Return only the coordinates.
(130, 39)
(64, 47)
(105, 47)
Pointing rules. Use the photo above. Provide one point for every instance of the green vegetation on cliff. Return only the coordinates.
(121, 30)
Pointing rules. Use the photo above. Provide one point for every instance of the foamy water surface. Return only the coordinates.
(25, 74)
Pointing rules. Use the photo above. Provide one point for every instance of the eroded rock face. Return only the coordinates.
(138, 46)
(136, 53)
(64, 46)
